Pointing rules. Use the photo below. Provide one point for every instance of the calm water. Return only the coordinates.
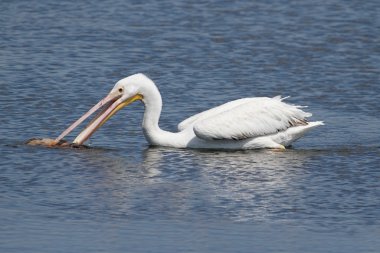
(58, 58)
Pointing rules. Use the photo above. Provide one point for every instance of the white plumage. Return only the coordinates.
(247, 118)
(246, 123)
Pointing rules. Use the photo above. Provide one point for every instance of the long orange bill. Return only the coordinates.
(103, 116)
(105, 102)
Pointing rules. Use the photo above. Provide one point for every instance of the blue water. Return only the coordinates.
(58, 58)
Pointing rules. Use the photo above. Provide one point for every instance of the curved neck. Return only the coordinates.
(153, 106)
(153, 133)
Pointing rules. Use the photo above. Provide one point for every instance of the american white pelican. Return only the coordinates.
(247, 123)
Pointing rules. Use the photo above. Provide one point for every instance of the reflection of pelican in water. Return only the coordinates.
(247, 123)
(240, 186)
(200, 184)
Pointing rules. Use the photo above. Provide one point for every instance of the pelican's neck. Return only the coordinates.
(153, 133)
(153, 106)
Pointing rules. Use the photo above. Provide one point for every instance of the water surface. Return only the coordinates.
(58, 58)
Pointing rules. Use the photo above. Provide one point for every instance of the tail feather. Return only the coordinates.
(315, 124)
(294, 133)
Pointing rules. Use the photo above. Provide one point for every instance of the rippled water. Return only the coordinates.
(58, 58)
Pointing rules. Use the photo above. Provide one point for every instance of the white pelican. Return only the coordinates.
(247, 123)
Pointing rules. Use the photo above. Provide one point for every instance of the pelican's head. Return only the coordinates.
(125, 91)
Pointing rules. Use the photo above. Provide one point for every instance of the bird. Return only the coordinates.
(246, 123)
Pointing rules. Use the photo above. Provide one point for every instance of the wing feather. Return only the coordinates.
(211, 112)
(248, 118)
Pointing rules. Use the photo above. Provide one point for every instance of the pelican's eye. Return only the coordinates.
(120, 90)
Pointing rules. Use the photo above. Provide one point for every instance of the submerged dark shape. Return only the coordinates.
(47, 142)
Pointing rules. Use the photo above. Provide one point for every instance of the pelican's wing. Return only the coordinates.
(211, 112)
(251, 118)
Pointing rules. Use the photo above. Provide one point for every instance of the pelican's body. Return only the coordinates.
(210, 129)
(247, 123)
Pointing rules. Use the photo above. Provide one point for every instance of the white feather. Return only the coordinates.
(247, 118)
(211, 112)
